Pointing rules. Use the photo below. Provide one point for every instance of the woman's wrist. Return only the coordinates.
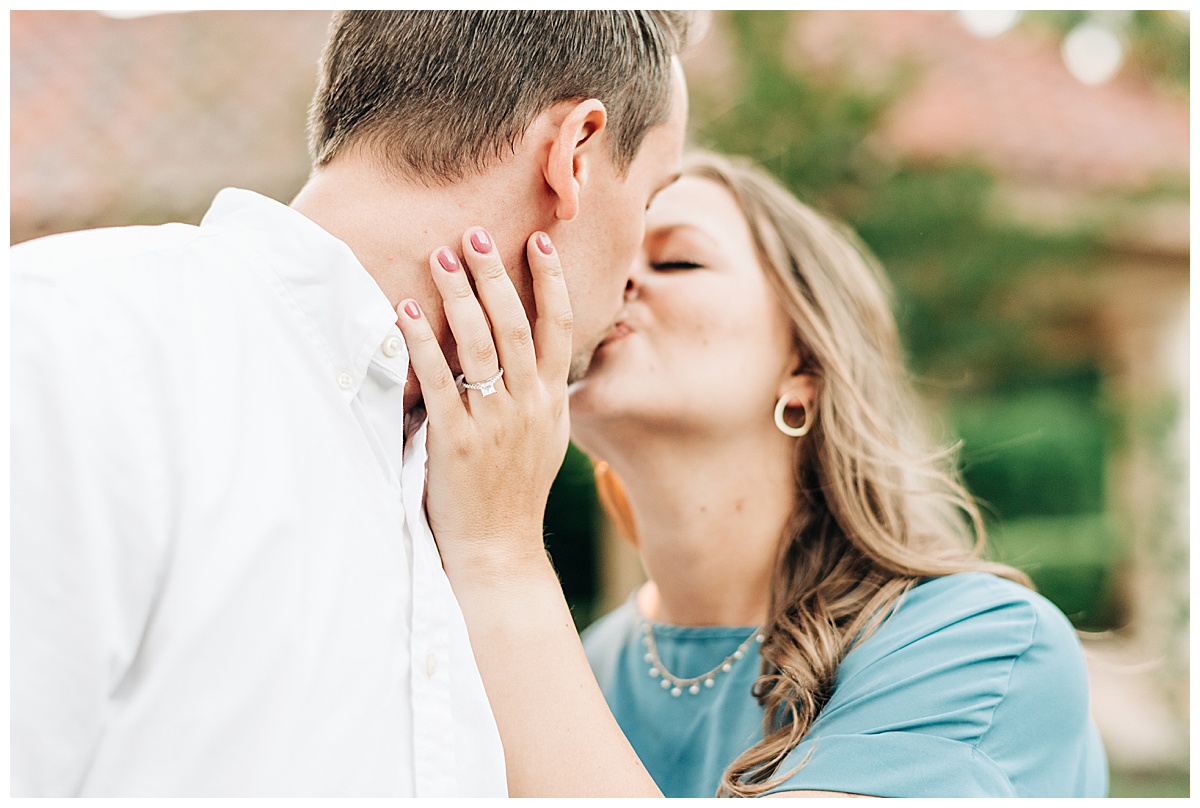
(508, 601)
(497, 565)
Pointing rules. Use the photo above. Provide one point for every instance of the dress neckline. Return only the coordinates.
(674, 630)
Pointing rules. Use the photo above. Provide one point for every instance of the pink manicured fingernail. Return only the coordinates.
(412, 310)
(481, 242)
(447, 259)
(543, 243)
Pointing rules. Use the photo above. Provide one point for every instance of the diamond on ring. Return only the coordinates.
(485, 387)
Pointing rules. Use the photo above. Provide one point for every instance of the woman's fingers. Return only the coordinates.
(472, 332)
(510, 329)
(438, 387)
(489, 321)
(552, 335)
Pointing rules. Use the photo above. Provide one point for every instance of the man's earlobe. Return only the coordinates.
(576, 143)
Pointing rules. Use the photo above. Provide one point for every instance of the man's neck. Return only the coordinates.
(393, 227)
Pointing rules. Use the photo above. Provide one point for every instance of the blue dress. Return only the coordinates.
(974, 687)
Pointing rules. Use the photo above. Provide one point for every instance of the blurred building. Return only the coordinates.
(142, 120)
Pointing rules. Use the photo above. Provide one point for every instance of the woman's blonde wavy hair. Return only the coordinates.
(878, 507)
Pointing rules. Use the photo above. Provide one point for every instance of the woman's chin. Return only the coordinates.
(597, 400)
(590, 399)
(594, 383)
(613, 395)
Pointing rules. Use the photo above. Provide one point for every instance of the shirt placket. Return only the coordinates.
(433, 735)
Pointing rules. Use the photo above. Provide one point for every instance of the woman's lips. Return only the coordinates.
(615, 333)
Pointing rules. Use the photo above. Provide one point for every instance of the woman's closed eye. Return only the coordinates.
(665, 266)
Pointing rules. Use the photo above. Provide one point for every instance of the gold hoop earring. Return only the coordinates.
(792, 431)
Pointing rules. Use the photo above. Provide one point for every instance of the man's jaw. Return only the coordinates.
(582, 361)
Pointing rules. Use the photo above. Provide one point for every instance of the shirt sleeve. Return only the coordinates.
(84, 560)
(914, 710)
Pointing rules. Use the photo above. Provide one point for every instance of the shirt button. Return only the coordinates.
(431, 664)
(391, 346)
(345, 381)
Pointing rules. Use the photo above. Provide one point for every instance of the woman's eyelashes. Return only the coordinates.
(665, 266)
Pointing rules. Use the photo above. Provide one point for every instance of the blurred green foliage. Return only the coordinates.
(1150, 783)
(572, 511)
(1035, 455)
(1052, 439)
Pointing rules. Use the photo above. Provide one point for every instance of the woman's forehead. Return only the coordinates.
(696, 203)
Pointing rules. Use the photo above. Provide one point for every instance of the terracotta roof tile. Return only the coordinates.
(1008, 101)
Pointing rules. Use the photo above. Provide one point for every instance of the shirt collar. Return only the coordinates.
(352, 319)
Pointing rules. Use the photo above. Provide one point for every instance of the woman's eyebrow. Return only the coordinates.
(667, 183)
(661, 232)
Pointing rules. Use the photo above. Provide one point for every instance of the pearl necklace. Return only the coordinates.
(674, 683)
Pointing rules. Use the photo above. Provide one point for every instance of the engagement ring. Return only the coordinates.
(486, 387)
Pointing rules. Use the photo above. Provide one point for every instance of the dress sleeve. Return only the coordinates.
(962, 694)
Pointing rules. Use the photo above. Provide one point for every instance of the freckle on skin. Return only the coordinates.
(740, 504)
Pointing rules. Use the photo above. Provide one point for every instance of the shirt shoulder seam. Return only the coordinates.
(1012, 667)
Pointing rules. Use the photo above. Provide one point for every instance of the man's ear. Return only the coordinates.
(575, 144)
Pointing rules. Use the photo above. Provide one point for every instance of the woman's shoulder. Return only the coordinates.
(974, 616)
(973, 685)
(979, 601)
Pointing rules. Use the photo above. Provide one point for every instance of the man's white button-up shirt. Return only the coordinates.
(223, 582)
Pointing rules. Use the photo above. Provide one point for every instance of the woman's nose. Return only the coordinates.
(637, 274)
(632, 286)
